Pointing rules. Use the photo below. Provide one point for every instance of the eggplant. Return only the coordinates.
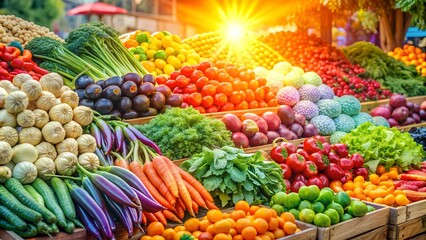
(164, 89)
(140, 103)
(103, 106)
(112, 92)
(122, 213)
(93, 91)
(125, 104)
(115, 113)
(101, 83)
(126, 188)
(146, 89)
(174, 100)
(96, 133)
(148, 204)
(83, 82)
(107, 132)
(149, 78)
(129, 89)
(150, 112)
(133, 77)
(157, 100)
(87, 103)
(116, 80)
(130, 114)
(80, 93)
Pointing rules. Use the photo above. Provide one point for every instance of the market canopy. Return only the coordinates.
(98, 8)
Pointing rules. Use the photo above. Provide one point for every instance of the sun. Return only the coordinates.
(234, 32)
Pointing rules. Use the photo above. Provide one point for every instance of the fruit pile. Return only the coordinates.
(159, 52)
(247, 52)
(411, 55)
(219, 87)
(320, 207)
(313, 54)
(244, 222)
(316, 163)
(128, 97)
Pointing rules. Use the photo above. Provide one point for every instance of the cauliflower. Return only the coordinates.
(275, 81)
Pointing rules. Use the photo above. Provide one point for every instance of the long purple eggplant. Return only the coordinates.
(148, 142)
(107, 132)
(122, 213)
(86, 202)
(147, 204)
(133, 212)
(96, 133)
(88, 222)
(119, 138)
(124, 149)
(129, 177)
(101, 157)
(125, 187)
(96, 195)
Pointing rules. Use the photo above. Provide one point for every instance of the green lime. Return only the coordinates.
(307, 215)
(328, 189)
(305, 204)
(278, 208)
(309, 193)
(295, 213)
(370, 208)
(322, 220)
(292, 200)
(343, 199)
(140, 38)
(346, 217)
(336, 207)
(349, 211)
(278, 198)
(325, 197)
(160, 54)
(333, 215)
(318, 207)
(359, 208)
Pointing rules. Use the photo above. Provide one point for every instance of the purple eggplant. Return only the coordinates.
(96, 133)
(126, 188)
(101, 157)
(96, 195)
(88, 222)
(107, 132)
(147, 204)
(129, 134)
(86, 202)
(148, 142)
(122, 213)
(119, 138)
(133, 212)
(124, 150)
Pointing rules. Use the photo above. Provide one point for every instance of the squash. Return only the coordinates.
(61, 113)
(73, 130)
(53, 83)
(25, 172)
(66, 163)
(32, 88)
(86, 144)
(83, 115)
(44, 166)
(46, 149)
(68, 145)
(53, 132)
(5, 153)
(41, 118)
(9, 135)
(16, 102)
(24, 152)
(26, 118)
(31, 135)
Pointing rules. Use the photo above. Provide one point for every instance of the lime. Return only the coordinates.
(295, 213)
(292, 200)
(359, 208)
(318, 207)
(279, 198)
(370, 208)
(322, 220)
(140, 38)
(346, 217)
(343, 199)
(160, 54)
(278, 208)
(349, 211)
(307, 215)
(325, 197)
(336, 207)
(333, 215)
(328, 189)
(309, 193)
(305, 204)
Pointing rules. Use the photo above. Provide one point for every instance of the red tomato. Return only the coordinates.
(244, 85)
(209, 90)
(178, 90)
(233, 71)
(201, 82)
(227, 107)
(171, 84)
(210, 73)
(186, 71)
(261, 81)
(253, 85)
(252, 74)
(200, 109)
(197, 74)
(161, 80)
(220, 99)
(212, 109)
(191, 88)
(273, 103)
(207, 101)
(263, 104)
(253, 104)
(194, 99)
(242, 106)
(182, 81)
(260, 94)
(250, 95)
(174, 75)
(214, 82)
(226, 88)
(236, 98)
(203, 66)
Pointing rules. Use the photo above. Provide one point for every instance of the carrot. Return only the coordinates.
(183, 191)
(150, 217)
(136, 168)
(171, 216)
(195, 207)
(195, 195)
(144, 220)
(153, 177)
(166, 175)
(210, 205)
(180, 212)
(159, 215)
(197, 185)
(121, 163)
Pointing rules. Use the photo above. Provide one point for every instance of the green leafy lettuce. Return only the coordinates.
(383, 145)
(232, 175)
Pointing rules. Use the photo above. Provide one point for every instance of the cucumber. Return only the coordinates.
(6, 225)
(64, 197)
(12, 203)
(42, 228)
(31, 231)
(53, 229)
(8, 215)
(77, 223)
(49, 199)
(16, 188)
(34, 194)
(70, 227)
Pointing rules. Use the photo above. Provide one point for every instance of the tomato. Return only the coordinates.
(235, 98)
(186, 71)
(210, 73)
(273, 103)
(250, 95)
(259, 94)
(296, 162)
(286, 170)
(243, 95)
(201, 82)
(197, 74)
(253, 104)
(237, 85)
(208, 90)
(212, 109)
(227, 107)
(253, 84)
(252, 74)
(191, 88)
(242, 106)
(194, 99)
(220, 64)
(178, 90)
(203, 66)
(214, 82)
(223, 77)
(182, 81)
(261, 81)
(220, 99)
(245, 76)
(269, 96)
(171, 84)
(233, 71)
(161, 80)
(207, 101)
(174, 75)
(263, 104)
(244, 85)
(226, 88)
(200, 109)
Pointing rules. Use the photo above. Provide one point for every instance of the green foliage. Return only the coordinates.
(41, 12)
(417, 8)
(183, 132)
(233, 175)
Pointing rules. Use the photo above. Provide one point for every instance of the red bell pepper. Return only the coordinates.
(11, 53)
(333, 157)
(40, 70)
(311, 145)
(28, 66)
(334, 172)
(2, 47)
(4, 65)
(316, 181)
(346, 163)
(310, 170)
(358, 160)
(412, 177)
(17, 63)
(324, 179)
(320, 160)
(415, 196)
(296, 185)
(361, 172)
(4, 73)
(326, 148)
(27, 55)
(296, 162)
(340, 149)
(280, 153)
(286, 171)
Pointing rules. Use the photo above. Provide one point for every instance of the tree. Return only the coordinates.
(41, 12)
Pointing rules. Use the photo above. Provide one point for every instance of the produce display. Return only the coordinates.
(320, 207)
(418, 134)
(391, 73)
(411, 55)
(160, 52)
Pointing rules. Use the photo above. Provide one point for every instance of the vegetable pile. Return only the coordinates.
(391, 73)
(383, 145)
(182, 132)
(233, 175)
(411, 55)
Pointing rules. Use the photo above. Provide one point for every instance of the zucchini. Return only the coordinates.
(53, 229)
(42, 228)
(6, 225)
(8, 215)
(34, 194)
(12, 203)
(31, 231)
(64, 197)
(49, 199)
(77, 223)
(70, 227)
(16, 188)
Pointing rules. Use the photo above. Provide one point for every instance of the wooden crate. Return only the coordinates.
(402, 214)
(408, 229)
(308, 232)
(368, 106)
(378, 233)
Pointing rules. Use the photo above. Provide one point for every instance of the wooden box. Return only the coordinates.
(308, 232)
(408, 229)
(402, 214)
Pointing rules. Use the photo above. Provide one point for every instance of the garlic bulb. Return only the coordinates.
(41, 118)
(32, 88)
(68, 145)
(53, 83)
(21, 78)
(31, 135)
(64, 89)
(16, 102)
(66, 163)
(24, 152)
(9, 135)
(26, 118)
(6, 84)
(89, 161)
(7, 118)
(71, 98)
(13, 89)
(25, 172)
(46, 149)
(3, 95)
(62, 113)
(44, 166)
(86, 143)
(73, 129)
(53, 132)
(83, 115)
(46, 101)
(6, 153)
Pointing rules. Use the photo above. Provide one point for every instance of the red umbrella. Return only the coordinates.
(96, 8)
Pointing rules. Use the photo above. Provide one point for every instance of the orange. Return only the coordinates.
(280, 222)
(233, 232)
(279, 233)
(196, 234)
(273, 224)
(389, 200)
(204, 224)
(237, 237)
(368, 199)
(242, 205)
(179, 228)
(359, 179)
(192, 224)
(348, 186)
(214, 215)
(398, 192)
(384, 177)
(146, 237)
(289, 228)
(270, 235)
(253, 209)
(241, 224)
(401, 200)
(238, 214)
(380, 169)
(210, 230)
(288, 217)
(226, 215)
(350, 193)
(231, 221)
(222, 236)
(158, 238)
(169, 234)
(222, 226)
(264, 213)
(261, 225)
(249, 233)
(374, 179)
(265, 237)
(155, 228)
(393, 174)
(379, 200)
